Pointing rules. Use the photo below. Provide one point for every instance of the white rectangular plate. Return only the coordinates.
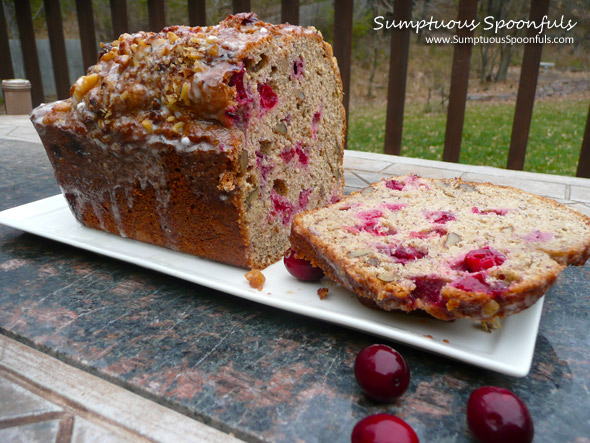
(508, 350)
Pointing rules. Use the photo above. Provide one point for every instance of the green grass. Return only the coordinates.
(554, 142)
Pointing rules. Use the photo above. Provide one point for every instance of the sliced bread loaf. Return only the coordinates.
(202, 140)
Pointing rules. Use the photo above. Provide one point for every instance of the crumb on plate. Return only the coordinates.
(255, 278)
(491, 325)
(322, 293)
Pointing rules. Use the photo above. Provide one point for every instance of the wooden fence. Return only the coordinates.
(343, 21)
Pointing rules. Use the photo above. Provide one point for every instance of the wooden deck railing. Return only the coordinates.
(343, 22)
(459, 85)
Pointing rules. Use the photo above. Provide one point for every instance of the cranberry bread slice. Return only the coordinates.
(203, 140)
(451, 248)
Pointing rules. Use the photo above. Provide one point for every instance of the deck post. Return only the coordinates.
(584, 161)
(26, 32)
(6, 68)
(343, 10)
(119, 17)
(459, 85)
(57, 45)
(290, 12)
(197, 13)
(527, 86)
(157, 15)
(87, 34)
(398, 70)
(240, 6)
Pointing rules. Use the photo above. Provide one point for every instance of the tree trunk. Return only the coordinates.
(373, 67)
(425, 6)
(483, 49)
(505, 58)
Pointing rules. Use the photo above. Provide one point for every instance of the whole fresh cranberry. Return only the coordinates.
(498, 415)
(300, 268)
(382, 373)
(383, 428)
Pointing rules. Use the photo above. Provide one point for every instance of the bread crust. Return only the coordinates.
(456, 303)
(197, 218)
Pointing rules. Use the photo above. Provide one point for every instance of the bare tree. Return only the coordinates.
(496, 57)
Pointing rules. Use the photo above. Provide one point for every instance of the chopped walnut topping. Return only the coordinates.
(157, 43)
(213, 50)
(178, 127)
(184, 94)
(170, 100)
(147, 124)
(123, 60)
(178, 67)
(109, 55)
(62, 107)
(83, 85)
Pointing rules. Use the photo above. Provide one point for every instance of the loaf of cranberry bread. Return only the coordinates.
(202, 140)
(451, 248)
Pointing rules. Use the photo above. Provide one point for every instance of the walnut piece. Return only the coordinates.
(62, 107)
(490, 308)
(387, 276)
(83, 85)
(147, 124)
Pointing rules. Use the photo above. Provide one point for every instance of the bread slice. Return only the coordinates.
(451, 248)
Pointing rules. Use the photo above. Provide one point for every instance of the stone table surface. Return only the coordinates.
(256, 372)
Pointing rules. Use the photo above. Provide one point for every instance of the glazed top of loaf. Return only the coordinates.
(156, 83)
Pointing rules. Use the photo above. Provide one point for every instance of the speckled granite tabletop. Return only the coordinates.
(255, 371)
